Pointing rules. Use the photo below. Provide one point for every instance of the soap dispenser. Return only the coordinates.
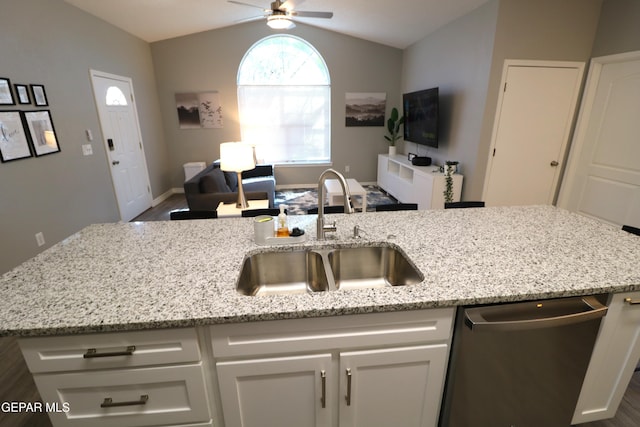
(283, 225)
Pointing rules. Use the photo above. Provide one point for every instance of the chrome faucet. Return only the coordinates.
(321, 229)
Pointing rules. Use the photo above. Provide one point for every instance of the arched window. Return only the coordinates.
(284, 101)
(115, 96)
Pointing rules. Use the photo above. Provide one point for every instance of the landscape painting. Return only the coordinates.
(365, 108)
(199, 110)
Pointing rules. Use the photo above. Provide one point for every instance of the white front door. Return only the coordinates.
(533, 122)
(603, 177)
(123, 142)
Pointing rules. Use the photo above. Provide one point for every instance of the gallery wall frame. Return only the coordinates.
(14, 143)
(41, 132)
(6, 97)
(39, 95)
(22, 93)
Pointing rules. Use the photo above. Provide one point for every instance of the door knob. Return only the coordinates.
(554, 163)
(115, 162)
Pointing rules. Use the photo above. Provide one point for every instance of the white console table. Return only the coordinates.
(423, 185)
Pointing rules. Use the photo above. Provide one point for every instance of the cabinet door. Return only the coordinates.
(284, 391)
(392, 387)
(613, 360)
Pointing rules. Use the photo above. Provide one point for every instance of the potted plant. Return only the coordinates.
(393, 129)
(450, 167)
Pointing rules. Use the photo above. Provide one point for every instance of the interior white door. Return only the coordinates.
(123, 142)
(535, 113)
(603, 175)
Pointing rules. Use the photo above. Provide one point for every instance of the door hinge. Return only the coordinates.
(494, 152)
(148, 190)
(140, 144)
(505, 87)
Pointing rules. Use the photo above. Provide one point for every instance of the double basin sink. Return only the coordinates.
(321, 270)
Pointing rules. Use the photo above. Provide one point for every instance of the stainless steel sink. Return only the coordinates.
(282, 273)
(371, 267)
(318, 270)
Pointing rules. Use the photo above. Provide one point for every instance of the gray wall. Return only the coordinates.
(618, 28)
(51, 43)
(209, 61)
(457, 59)
(466, 58)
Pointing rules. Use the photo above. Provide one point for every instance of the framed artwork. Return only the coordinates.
(22, 93)
(365, 108)
(199, 110)
(43, 135)
(14, 144)
(39, 95)
(6, 97)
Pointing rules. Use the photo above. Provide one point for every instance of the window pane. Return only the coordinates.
(287, 124)
(284, 101)
(115, 96)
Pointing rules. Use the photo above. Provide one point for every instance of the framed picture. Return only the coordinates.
(43, 135)
(39, 95)
(6, 98)
(22, 93)
(365, 108)
(14, 144)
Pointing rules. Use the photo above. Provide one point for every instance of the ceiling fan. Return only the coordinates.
(279, 16)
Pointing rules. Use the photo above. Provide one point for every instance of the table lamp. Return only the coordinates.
(237, 157)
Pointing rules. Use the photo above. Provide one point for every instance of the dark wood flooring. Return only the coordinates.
(16, 383)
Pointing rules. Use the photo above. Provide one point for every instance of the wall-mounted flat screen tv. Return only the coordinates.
(420, 111)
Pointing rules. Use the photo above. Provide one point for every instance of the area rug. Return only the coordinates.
(301, 199)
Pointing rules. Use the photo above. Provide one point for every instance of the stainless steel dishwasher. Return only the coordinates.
(520, 364)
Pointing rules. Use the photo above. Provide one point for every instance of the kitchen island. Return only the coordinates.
(116, 277)
(117, 307)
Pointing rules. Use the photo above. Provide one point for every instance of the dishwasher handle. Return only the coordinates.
(531, 315)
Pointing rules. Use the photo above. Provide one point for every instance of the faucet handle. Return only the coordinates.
(331, 227)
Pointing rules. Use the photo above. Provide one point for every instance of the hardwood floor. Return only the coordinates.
(161, 211)
(16, 383)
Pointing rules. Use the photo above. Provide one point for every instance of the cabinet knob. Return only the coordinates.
(554, 163)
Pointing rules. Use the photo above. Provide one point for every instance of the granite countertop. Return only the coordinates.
(116, 277)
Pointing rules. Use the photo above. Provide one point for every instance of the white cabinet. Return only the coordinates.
(613, 360)
(144, 378)
(423, 185)
(300, 372)
(394, 386)
(283, 391)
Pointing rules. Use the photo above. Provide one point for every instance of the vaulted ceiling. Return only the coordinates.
(398, 24)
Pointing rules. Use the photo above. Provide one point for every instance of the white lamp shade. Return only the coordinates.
(236, 157)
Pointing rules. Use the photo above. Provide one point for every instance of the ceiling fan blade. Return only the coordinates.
(304, 14)
(253, 18)
(247, 4)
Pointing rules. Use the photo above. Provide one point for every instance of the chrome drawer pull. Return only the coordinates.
(348, 396)
(631, 301)
(92, 352)
(323, 399)
(109, 403)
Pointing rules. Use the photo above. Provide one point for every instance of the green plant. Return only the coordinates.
(393, 126)
(448, 181)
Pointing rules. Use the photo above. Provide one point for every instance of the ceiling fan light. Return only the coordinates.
(279, 22)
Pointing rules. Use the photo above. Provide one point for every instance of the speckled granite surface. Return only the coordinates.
(114, 277)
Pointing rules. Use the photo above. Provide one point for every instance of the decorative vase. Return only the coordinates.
(450, 169)
(392, 150)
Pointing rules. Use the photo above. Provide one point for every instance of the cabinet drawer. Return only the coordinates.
(110, 350)
(352, 331)
(174, 395)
